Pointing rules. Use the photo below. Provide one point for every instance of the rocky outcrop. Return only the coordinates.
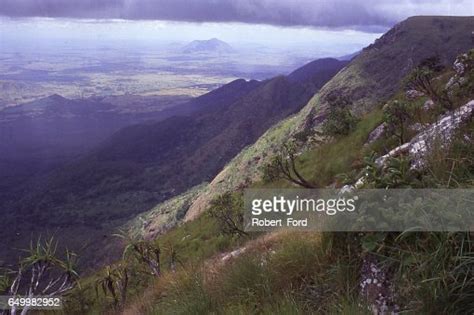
(441, 131)
(420, 145)
(461, 67)
(164, 216)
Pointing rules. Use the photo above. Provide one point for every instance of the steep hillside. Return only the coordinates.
(360, 272)
(142, 165)
(369, 79)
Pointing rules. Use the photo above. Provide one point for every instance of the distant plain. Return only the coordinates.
(114, 68)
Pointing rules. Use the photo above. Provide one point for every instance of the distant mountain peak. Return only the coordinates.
(56, 97)
(213, 45)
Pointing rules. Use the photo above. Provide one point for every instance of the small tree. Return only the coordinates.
(422, 79)
(42, 272)
(283, 166)
(339, 121)
(227, 210)
(396, 115)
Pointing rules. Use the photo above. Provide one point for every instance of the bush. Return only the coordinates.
(340, 120)
(422, 79)
(396, 115)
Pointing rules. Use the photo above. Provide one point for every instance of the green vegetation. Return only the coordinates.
(227, 210)
(180, 251)
(320, 273)
(114, 281)
(210, 266)
(421, 79)
(340, 121)
(283, 166)
(345, 153)
(283, 279)
(396, 116)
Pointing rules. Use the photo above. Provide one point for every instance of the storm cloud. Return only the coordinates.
(316, 13)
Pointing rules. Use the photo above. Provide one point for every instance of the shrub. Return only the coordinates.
(283, 166)
(340, 120)
(396, 115)
(422, 79)
(227, 210)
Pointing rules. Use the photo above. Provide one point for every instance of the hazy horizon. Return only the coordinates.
(18, 33)
(320, 28)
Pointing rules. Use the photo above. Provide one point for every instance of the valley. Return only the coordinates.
(141, 165)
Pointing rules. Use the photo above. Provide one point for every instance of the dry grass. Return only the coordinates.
(208, 278)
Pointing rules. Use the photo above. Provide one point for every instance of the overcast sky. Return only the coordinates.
(329, 13)
(353, 22)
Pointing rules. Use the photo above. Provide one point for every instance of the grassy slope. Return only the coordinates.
(200, 240)
(306, 273)
(301, 273)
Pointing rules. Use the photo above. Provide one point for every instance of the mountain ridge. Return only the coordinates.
(369, 79)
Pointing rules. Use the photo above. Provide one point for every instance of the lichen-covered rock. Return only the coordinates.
(455, 81)
(376, 287)
(358, 185)
(418, 127)
(441, 131)
(376, 134)
(461, 66)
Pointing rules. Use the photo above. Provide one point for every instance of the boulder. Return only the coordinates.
(376, 134)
